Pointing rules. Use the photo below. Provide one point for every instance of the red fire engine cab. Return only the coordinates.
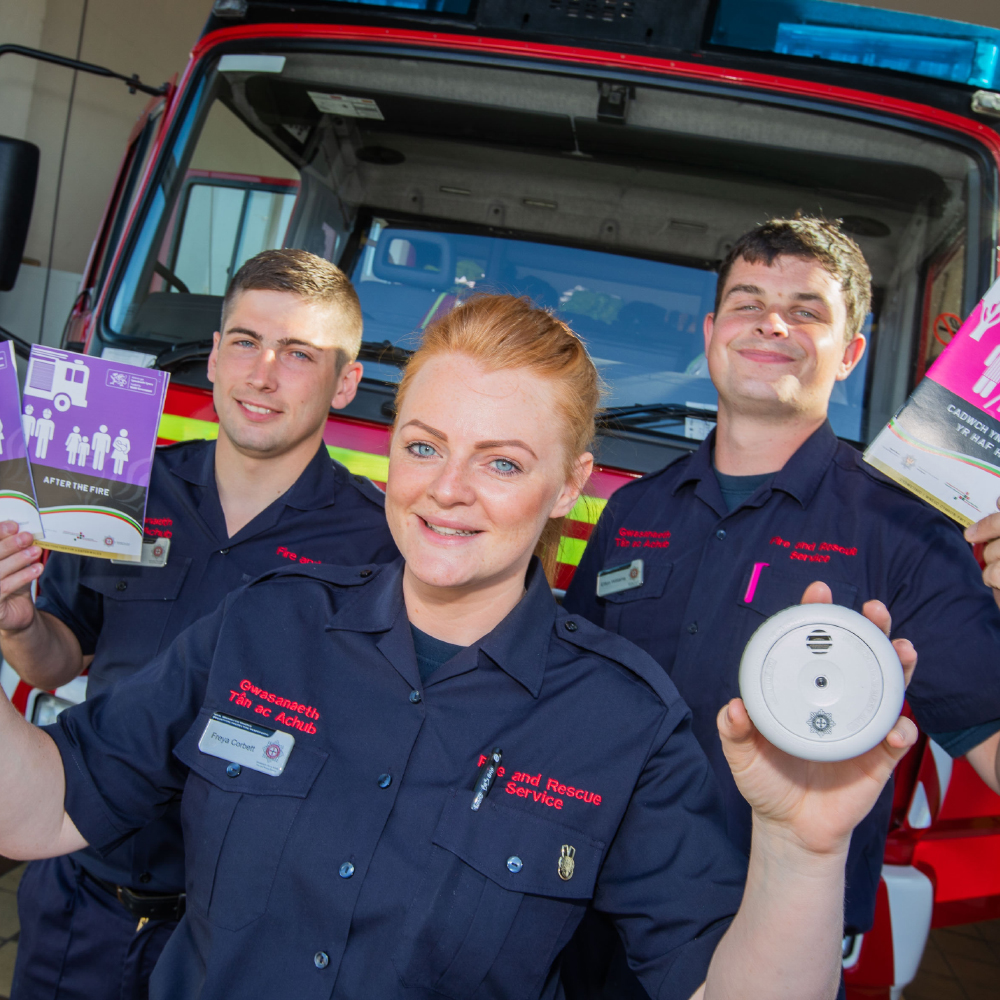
(599, 156)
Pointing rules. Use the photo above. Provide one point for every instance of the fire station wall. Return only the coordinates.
(80, 127)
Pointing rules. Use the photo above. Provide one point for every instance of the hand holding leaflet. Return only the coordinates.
(17, 493)
(87, 507)
(944, 442)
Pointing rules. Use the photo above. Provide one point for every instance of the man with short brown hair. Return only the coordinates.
(226, 512)
(772, 502)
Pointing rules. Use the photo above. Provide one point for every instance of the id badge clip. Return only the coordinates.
(615, 579)
(154, 553)
(244, 743)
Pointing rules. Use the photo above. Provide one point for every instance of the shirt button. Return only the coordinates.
(571, 626)
(415, 697)
(145, 878)
(321, 959)
(720, 534)
(514, 864)
(384, 780)
(233, 770)
(346, 870)
(693, 627)
(223, 552)
(121, 585)
(365, 572)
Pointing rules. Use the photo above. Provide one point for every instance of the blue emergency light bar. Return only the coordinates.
(846, 33)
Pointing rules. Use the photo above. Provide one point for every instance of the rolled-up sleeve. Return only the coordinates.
(117, 748)
(950, 616)
(672, 881)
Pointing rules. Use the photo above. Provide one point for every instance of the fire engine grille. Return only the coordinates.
(595, 10)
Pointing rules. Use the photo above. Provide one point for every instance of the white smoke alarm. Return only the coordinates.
(821, 682)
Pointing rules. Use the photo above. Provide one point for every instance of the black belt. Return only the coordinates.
(148, 905)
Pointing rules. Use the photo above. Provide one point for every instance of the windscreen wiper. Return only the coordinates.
(384, 352)
(650, 413)
(183, 354)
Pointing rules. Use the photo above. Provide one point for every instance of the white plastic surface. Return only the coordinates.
(821, 682)
(911, 906)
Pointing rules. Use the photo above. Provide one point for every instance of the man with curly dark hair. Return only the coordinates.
(772, 502)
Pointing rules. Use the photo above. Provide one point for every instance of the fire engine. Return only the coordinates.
(600, 157)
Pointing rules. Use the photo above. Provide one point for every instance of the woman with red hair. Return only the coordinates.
(409, 781)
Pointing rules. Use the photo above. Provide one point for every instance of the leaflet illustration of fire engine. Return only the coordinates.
(17, 493)
(89, 431)
(944, 443)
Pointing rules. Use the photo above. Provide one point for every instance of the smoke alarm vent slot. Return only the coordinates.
(819, 641)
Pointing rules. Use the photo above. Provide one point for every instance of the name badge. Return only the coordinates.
(246, 744)
(154, 552)
(618, 578)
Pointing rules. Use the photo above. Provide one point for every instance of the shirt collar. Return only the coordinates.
(799, 477)
(198, 465)
(804, 471)
(315, 487)
(518, 645)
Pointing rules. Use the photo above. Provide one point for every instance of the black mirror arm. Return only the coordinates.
(133, 81)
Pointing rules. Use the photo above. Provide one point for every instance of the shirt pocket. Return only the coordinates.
(235, 829)
(771, 589)
(633, 612)
(137, 601)
(491, 898)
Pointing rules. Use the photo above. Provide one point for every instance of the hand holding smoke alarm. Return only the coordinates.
(821, 682)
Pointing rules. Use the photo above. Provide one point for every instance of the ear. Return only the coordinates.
(213, 358)
(347, 384)
(574, 485)
(707, 326)
(853, 354)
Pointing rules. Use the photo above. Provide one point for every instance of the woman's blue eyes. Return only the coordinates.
(503, 466)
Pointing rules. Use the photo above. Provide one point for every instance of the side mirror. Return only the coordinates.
(415, 257)
(18, 175)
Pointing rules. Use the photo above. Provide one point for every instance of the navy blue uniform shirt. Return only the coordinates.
(361, 870)
(126, 614)
(711, 577)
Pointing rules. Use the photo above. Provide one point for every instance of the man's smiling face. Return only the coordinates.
(778, 342)
(277, 367)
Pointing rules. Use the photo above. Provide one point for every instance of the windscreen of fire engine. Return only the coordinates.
(640, 319)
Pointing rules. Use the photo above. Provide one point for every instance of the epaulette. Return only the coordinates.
(368, 489)
(584, 634)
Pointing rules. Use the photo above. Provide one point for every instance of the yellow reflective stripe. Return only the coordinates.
(175, 428)
(362, 463)
(570, 550)
(587, 509)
